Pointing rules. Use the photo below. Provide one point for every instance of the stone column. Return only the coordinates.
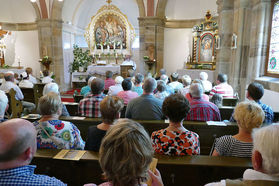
(151, 30)
(50, 43)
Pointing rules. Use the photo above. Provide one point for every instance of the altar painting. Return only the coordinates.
(111, 30)
(206, 51)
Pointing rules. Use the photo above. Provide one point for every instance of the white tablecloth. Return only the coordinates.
(101, 70)
(15, 70)
(195, 73)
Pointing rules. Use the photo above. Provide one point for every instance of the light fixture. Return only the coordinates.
(33, 1)
(60, 0)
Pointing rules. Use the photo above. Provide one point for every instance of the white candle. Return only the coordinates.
(102, 48)
(116, 55)
(99, 55)
(213, 58)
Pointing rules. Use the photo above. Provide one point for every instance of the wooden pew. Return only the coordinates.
(226, 112)
(206, 132)
(77, 98)
(229, 102)
(175, 171)
(72, 108)
(28, 94)
(38, 92)
(276, 117)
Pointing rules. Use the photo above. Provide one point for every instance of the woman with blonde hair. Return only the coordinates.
(248, 115)
(125, 155)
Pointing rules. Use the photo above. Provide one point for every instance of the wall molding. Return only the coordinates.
(19, 26)
(189, 23)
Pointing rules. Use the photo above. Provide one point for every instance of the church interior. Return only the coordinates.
(72, 40)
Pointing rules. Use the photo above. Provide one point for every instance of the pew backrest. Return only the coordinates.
(16, 105)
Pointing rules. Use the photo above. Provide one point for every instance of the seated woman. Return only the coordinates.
(175, 139)
(248, 115)
(110, 108)
(161, 90)
(125, 155)
(217, 99)
(138, 84)
(127, 94)
(53, 133)
(86, 89)
(204, 96)
(53, 87)
(186, 80)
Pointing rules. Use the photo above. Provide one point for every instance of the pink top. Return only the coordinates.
(204, 97)
(127, 96)
(109, 82)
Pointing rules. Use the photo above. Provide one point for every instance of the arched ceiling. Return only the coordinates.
(17, 11)
(190, 9)
(79, 12)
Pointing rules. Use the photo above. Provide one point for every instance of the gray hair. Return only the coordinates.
(51, 87)
(203, 76)
(161, 86)
(196, 90)
(90, 80)
(50, 104)
(165, 78)
(186, 80)
(3, 103)
(149, 85)
(162, 71)
(265, 140)
(139, 78)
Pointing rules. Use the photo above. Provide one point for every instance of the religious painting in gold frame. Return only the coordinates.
(206, 47)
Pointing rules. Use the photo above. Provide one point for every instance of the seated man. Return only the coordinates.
(222, 87)
(29, 71)
(264, 159)
(25, 82)
(109, 81)
(3, 105)
(46, 79)
(255, 92)
(174, 82)
(9, 84)
(90, 106)
(113, 90)
(207, 85)
(165, 78)
(18, 146)
(201, 110)
(146, 107)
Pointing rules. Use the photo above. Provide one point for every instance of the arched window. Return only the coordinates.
(272, 67)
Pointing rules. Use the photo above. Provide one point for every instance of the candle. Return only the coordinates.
(116, 55)
(213, 58)
(99, 55)
(114, 45)
(102, 48)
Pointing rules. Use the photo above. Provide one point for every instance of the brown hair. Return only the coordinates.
(110, 107)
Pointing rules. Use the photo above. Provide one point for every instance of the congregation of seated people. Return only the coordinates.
(144, 98)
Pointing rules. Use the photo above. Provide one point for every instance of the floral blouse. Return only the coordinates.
(175, 143)
(61, 135)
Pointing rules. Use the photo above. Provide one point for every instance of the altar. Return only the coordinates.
(15, 70)
(102, 69)
(195, 73)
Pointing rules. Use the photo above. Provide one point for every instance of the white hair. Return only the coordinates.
(51, 87)
(266, 141)
(165, 78)
(119, 79)
(196, 90)
(186, 80)
(3, 103)
(203, 76)
(90, 80)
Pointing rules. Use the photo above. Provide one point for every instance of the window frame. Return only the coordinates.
(266, 73)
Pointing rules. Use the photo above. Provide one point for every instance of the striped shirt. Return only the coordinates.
(202, 110)
(229, 146)
(223, 89)
(90, 106)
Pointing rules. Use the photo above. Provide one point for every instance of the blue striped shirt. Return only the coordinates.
(25, 176)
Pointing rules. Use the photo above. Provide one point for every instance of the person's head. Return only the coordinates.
(196, 90)
(18, 143)
(90, 80)
(149, 85)
(109, 74)
(50, 104)
(24, 75)
(265, 150)
(125, 153)
(162, 71)
(203, 76)
(110, 108)
(131, 73)
(51, 87)
(186, 80)
(97, 86)
(46, 73)
(139, 78)
(217, 99)
(9, 77)
(16, 75)
(165, 78)
(126, 84)
(1, 75)
(174, 76)
(176, 107)
(3, 103)
(255, 91)
(29, 70)
(118, 79)
(222, 78)
(161, 86)
(248, 115)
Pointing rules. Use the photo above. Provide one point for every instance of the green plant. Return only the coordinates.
(81, 59)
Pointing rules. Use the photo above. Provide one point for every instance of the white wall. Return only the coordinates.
(177, 47)
(271, 98)
(190, 9)
(23, 44)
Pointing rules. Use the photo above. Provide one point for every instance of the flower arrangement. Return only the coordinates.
(45, 61)
(81, 59)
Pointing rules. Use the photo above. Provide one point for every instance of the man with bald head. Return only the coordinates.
(17, 148)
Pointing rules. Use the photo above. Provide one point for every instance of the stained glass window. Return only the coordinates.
(273, 60)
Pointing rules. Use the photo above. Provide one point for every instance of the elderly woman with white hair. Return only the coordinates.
(248, 115)
(186, 80)
(115, 89)
(53, 87)
(86, 89)
(207, 85)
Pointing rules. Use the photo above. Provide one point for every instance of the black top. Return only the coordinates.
(94, 138)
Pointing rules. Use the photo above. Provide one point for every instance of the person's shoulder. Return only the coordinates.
(158, 132)
(47, 180)
(192, 133)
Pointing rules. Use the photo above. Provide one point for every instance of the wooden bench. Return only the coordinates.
(16, 107)
(226, 112)
(77, 98)
(229, 102)
(28, 94)
(206, 132)
(38, 92)
(72, 108)
(175, 171)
